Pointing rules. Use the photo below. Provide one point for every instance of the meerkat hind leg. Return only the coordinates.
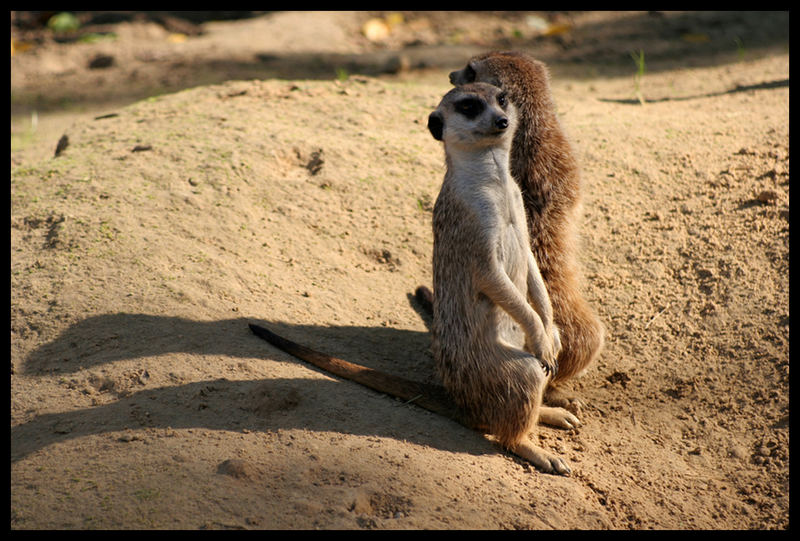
(558, 417)
(543, 460)
(556, 397)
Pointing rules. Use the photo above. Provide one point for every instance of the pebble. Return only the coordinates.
(767, 196)
(101, 61)
(238, 468)
(62, 144)
(737, 451)
(62, 427)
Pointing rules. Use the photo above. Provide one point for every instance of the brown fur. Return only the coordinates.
(544, 166)
(484, 274)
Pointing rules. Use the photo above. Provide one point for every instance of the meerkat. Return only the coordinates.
(492, 308)
(494, 339)
(544, 167)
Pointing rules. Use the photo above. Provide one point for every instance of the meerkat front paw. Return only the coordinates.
(544, 350)
(547, 358)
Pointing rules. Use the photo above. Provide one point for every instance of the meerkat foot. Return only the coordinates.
(558, 417)
(543, 461)
(555, 397)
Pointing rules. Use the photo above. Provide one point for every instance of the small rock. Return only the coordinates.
(619, 377)
(767, 196)
(62, 427)
(101, 61)
(537, 23)
(708, 309)
(314, 165)
(237, 468)
(62, 144)
(375, 30)
(142, 377)
(739, 452)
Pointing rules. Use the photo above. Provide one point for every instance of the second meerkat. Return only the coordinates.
(494, 339)
(544, 166)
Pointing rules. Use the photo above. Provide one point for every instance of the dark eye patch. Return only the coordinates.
(470, 107)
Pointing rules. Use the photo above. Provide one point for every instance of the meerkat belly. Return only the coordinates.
(511, 252)
(512, 246)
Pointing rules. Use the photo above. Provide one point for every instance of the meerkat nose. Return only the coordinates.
(501, 123)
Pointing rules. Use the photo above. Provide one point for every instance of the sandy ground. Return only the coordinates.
(173, 217)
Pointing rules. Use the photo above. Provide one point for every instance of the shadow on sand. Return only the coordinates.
(222, 404)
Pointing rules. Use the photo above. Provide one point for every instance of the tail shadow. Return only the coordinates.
(263, 404)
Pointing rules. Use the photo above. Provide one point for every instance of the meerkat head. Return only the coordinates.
(476, 114)
(512, 71)
(469, 73)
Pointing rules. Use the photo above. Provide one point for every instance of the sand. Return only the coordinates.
(140, 399)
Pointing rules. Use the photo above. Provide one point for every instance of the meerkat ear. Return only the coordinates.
(468, 74)
(463, 76)
(436, 125)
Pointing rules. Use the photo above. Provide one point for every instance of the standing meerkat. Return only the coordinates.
(544, 167)
(494, 339)
(492, 308)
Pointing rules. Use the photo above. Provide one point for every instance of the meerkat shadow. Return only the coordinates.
(105, 339)
(96, 353)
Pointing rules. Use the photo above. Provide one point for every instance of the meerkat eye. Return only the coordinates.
(469, 107)
(501, 100)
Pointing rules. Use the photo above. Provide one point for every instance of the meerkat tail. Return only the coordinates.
(430, 397)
